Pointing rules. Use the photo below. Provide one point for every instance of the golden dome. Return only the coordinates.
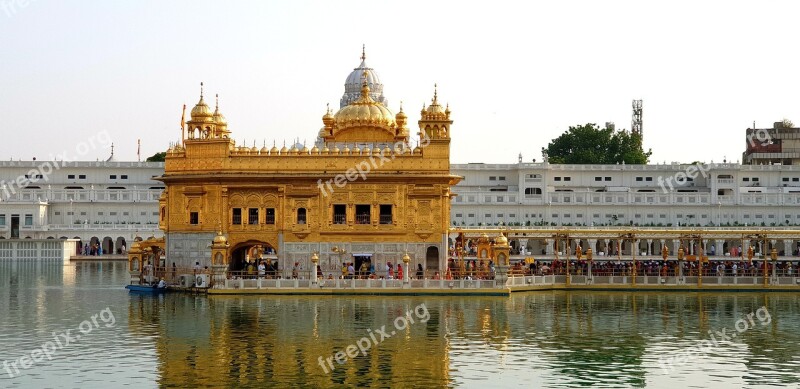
(220, 239)
(336, 150)
(327, 119)
(315, 150)
(501, 240)
(273, 150)
(284, 149)
(484, 238)
(305, 149)
(346, 150)
(365, 112)
(219, 118)
(435, 108)
(201, 112)
(401, 118)
(325, 149)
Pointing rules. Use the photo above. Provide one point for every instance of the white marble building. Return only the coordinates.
(106, 202)
(671, 195)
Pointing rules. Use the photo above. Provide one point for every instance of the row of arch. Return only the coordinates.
(92, 246)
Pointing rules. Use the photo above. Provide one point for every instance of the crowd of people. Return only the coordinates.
(653, 267)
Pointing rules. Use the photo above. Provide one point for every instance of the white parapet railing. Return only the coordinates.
(37, 249)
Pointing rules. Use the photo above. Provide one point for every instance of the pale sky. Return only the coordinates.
(516, 74)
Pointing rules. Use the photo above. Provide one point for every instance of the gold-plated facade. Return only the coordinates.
(362, 187)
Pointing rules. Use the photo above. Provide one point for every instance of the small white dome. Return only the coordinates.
(352, 86)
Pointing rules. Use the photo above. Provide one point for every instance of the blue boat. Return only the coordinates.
(145, 289)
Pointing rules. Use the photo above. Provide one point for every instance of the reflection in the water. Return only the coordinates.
(556, 339)
(545, 339)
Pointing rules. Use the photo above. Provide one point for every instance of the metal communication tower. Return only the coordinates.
(636, 122)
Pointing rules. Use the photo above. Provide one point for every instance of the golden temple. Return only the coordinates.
(366, 191)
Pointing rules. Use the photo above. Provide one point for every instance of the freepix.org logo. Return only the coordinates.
(376, 337)
(680, 178)
(363, 167)
(61, 340)
(43, 170)
(11, 7)
(759, 137)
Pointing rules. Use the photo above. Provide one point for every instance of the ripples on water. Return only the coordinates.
(547, 339)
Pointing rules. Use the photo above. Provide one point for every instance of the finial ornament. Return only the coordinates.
(435, 94)
(217, 102)
(364, 85)
(363, 51)
(401, 105)
(201, 90)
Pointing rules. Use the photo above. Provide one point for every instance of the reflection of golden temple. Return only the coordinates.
(362, 188)
(244, 344)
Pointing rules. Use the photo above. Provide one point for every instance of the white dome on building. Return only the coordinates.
(352, 86)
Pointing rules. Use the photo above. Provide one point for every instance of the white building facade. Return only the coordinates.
(103, 203)
(670, 195)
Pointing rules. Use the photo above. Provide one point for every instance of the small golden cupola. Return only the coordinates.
(222, 123)
(435, 120)
(401, 119)
(202, 124)
(201, 112)
(328, 121)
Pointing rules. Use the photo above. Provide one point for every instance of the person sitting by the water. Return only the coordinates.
(162, 284)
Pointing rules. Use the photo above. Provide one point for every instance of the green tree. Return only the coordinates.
(590, 144)
(157, 157)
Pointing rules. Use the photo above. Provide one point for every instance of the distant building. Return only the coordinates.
(100, 203)
(653, 195)
(779, 145)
